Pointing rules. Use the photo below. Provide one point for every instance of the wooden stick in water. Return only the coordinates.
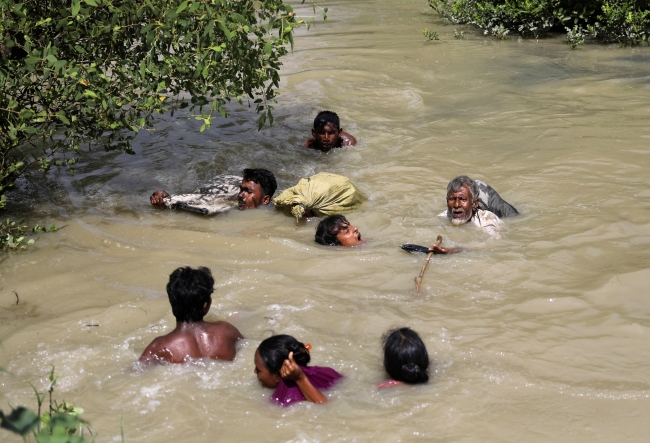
(418, 279)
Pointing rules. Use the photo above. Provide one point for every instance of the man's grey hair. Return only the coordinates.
(462, 180)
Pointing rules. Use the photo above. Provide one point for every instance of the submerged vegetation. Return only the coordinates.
(626, 22)
(73, 71)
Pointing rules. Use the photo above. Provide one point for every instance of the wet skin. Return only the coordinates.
(265, 377)
(349, 235)
(327, 137)
(158, 198)
(460, 206)
(191, 340)
(251, 195)
(290, 370)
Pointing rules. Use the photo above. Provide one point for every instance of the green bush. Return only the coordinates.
(72, 71)
(622, 21)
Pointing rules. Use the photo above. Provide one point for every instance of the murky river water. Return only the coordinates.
(540, 336)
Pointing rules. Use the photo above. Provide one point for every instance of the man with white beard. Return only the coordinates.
(471, 201)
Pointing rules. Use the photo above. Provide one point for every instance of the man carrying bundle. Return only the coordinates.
(471, 201)
(255, 188)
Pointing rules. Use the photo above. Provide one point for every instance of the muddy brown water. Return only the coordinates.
(539, 336)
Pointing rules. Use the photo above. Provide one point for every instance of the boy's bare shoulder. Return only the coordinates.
(347, 139)
(222, 328)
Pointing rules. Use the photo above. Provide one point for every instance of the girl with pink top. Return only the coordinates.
(281, 364)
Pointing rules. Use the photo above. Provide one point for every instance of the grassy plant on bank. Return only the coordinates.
(60, 423)
(626, 22)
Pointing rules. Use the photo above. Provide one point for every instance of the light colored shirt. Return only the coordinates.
(486, 220)
(217, 195)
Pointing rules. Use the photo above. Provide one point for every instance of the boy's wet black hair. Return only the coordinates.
(328, 229)
(264, 178)
(188, 290)
(327, 118)
(405, 356)
(275, 350)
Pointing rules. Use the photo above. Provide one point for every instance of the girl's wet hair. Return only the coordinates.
(405, 356)
(275, 350)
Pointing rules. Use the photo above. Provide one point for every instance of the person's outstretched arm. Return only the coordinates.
(290, 370)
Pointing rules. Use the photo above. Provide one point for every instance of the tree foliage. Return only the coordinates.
(626, 22)
(72, 71)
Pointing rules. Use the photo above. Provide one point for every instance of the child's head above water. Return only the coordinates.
(405, 356)
(272, 353)
(325, 118)
(189, 292)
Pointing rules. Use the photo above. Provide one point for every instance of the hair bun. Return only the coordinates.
(411, 367)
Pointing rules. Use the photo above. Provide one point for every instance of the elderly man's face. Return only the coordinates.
(460, 207)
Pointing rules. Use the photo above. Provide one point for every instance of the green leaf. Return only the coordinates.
(91, 2)
(181, 7)
(21, 421)
(76, 6)
(225, 30)
(63, 118)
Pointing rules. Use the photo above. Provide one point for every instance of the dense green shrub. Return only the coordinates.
(626, 22)
(72, 71)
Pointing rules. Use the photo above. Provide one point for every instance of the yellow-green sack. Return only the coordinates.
(324, 193)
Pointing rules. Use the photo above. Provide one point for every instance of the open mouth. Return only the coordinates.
(241, 204)
(360, 239)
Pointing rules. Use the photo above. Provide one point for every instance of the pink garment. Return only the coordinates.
(288, 392)
(389, 383)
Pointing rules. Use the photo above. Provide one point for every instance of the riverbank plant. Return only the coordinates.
(76, 71)
(430, 35)
(626, 22)
(60, 423)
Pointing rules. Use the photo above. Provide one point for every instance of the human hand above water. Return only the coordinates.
(439, 250)
(291, 370)
(158, 198)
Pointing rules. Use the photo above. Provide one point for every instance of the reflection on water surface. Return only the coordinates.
(541, 335)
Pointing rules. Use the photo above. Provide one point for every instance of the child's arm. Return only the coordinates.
(292, 371)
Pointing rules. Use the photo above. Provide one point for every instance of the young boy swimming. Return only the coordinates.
(189, 292)
(327, 133)
(405, 357)
(281, 364)
(336, 230)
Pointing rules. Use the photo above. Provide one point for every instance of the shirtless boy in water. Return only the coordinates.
(327, 133)
(189, 292)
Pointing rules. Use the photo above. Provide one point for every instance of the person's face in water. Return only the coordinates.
(265, 377)
(460, 206)
(250, 195)
(349, 235)
(326, 137)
